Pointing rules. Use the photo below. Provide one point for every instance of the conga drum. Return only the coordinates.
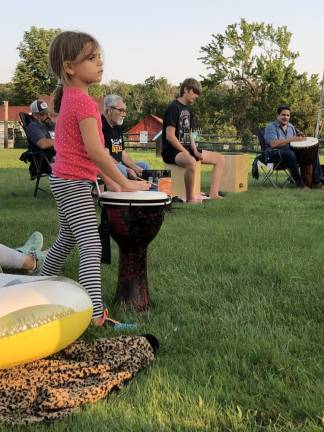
(306, 152)
(135, 219)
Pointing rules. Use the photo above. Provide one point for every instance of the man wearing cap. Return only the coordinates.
(40, 132)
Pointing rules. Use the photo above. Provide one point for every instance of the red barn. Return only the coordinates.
(13, 112)
(151, 123)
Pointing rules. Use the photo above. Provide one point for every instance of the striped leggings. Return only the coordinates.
(78, 225)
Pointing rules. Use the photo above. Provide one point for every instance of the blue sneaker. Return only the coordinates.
(106, 321)
(122, 326)
(34, 243)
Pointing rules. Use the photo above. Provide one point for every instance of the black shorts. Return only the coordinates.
(170, 154)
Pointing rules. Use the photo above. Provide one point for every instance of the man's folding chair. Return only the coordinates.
(264, 163)
(39, 164)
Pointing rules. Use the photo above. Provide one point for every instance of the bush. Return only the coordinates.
(247, 138)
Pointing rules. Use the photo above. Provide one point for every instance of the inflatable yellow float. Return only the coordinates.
(39, 316)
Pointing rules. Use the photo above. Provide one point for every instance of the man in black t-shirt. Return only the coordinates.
(40, 132)
(112, 120)
(178, 144)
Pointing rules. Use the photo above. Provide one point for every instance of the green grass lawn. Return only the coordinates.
(238, 307)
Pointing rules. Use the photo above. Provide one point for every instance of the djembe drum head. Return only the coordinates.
(306, 151)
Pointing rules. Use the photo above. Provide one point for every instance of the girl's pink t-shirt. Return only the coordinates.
(72, 161)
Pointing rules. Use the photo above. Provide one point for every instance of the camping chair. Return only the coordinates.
(264, 162)
(39, 164)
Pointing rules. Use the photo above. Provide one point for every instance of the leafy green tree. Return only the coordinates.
(98, 90)
(209, 109)
(158, 93)
(256, 64)
(6, 93)
(32, 76)
(141, 100)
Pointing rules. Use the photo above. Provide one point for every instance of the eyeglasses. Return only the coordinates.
(121, 110)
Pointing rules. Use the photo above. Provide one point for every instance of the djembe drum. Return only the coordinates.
(306, 152)
(135, 219)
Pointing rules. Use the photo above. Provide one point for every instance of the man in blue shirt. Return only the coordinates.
(278, 135)
(40, 132)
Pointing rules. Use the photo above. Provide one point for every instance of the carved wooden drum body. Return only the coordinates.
(135, 219)
(306, 152)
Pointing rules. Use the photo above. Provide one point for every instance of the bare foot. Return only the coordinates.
(215, 197)
(195, 200)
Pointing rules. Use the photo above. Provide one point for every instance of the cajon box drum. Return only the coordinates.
(177, 180)
(235, 174)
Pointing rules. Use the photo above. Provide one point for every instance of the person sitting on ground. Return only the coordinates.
(112, 120)
(278, 135)
(178, 144)
(28, 257)
(40, 132)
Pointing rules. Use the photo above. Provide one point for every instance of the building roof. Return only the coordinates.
(146, 121)
(158, 119)
(152, 124)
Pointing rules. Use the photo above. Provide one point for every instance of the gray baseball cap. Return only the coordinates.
(39, 106)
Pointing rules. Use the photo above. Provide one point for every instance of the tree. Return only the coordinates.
(6, 93)
(210, 113)
(32, 76)
(255, 63)
(158, 93)
(141, 100)
(98, 90)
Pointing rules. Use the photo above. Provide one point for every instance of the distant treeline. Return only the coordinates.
(251, 71)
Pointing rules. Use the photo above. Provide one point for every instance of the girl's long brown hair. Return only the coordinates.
(67, 46)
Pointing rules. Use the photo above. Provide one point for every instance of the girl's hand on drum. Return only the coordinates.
(113, 186)
(133, 186)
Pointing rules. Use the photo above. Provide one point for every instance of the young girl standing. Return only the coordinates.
(75, 59)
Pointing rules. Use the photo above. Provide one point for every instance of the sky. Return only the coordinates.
(141, 38)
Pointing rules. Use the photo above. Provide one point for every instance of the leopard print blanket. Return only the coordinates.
(82, 373)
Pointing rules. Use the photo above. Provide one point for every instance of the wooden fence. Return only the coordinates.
(213, 142)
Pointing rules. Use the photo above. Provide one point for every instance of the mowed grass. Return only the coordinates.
(238, 307)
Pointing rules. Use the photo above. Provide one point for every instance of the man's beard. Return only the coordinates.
(120, 122)
(49, 123)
